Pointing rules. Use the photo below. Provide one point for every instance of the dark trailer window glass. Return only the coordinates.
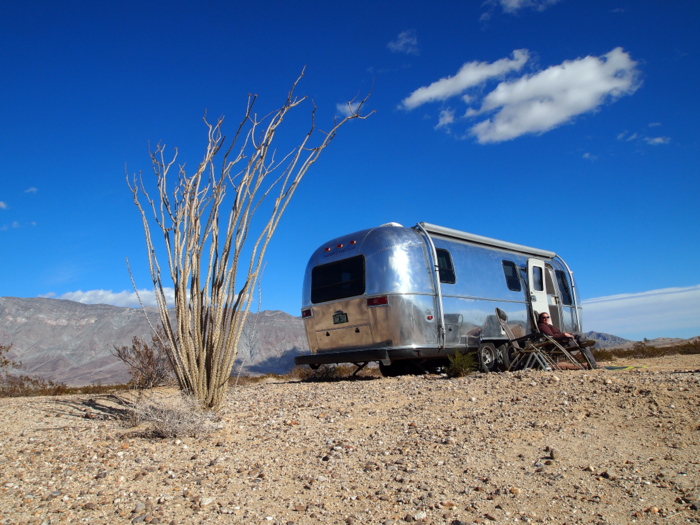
(564, 289)
(537, 277)
(511, 273)
(338, 280)
(445, 267)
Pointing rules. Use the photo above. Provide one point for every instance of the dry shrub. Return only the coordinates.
(25, 386)
(149, 365)
(171, 415)
(22, 385)
(643, 350)
(691, 347)
(95, 388)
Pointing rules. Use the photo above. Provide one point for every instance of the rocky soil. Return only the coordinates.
(603, 446)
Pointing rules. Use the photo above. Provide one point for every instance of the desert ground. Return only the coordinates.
(602, 446)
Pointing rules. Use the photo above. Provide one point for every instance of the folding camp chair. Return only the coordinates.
(557, 347)
(534, 350)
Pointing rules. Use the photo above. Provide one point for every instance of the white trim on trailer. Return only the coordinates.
(487, 241)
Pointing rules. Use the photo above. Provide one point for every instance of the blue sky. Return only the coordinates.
(565, 125)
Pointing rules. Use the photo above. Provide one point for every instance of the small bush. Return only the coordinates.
(96, 388)
(602, 355)
(461, 364)
(22, 385)
(169, 416)
(149, 365)
(691, 347)
(5, 362)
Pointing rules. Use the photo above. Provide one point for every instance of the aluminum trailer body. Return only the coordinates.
(413, 296)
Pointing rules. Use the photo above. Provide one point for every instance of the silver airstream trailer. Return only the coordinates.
(410, 297)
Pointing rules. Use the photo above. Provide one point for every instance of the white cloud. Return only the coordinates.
(447, 117)
(652, 141)
(3, 206)
(31, 190)
(541, 102)
(469, 75)
(125, 298)
(406, 42)
(513, 6)
(669, 312)
(532, 103)
(590, 156)
(627, 138)
(655, 141)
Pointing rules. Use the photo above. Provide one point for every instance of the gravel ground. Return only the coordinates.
(603, 446)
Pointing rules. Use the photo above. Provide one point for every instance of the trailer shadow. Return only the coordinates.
(337, 379)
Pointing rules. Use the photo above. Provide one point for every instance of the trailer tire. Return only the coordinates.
(504, 357)
(488, 357)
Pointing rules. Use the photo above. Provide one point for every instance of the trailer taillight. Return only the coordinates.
(338, 246)
(382, 300)
(306, 313)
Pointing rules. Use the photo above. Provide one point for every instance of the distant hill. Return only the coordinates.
(612, 341)
(604, 340)
(72, 342)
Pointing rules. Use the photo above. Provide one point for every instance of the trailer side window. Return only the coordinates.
(445, 267)
(511, 273)
(564, 289)
(338, 280)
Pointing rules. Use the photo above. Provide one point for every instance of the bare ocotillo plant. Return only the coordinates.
(205, 247)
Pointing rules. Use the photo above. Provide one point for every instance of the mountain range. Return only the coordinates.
(73, 343)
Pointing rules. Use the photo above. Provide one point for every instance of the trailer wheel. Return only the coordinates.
(504, 357)
(488, 357)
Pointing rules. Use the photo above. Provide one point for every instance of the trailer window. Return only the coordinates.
(538, 281)
(445, 267)
(564, 289)
(338, 280)
(511, 273)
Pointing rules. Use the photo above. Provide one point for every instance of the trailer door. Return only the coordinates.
(536, 283)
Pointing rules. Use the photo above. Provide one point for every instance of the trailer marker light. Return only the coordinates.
(339, 246)
(378, 301)
(353, 242)
(327, 250)
(306, 313)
